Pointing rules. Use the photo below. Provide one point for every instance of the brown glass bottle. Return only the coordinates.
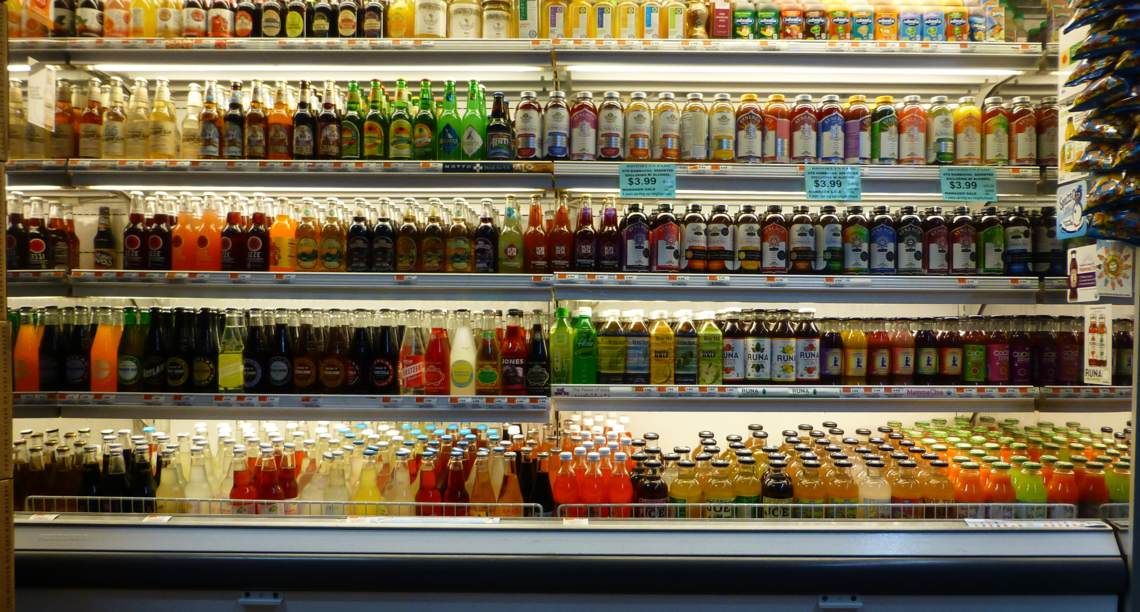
(963, 243)
(721, 247)
(801, 242)
(694, 241)
(306, 357)
(433, 248)
(408, 243)
(750, 248)
(734, 357)
(651, 489)
(856, 236)
(333, 372)
(828, 242)
(936, 241)
(774, 241)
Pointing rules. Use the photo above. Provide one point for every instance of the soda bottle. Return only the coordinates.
(537, 259)
(831, 352)
(974, 351)
(807, 348)
(134, 235)
(231, 366)
(210, 239)
(104, 352)
(855, 354)
(1068, 351)
(332, 369)
(205, 366)
(412, 353)
(154, 353)
(661, 349)
(382, 374)
(282, 239)
(59, 247)
(538, 363)
(437, 358)
(46, 367)
(255, 353)
(926, 355)
(16, 236)
(561, 347)
(583, 369)
(332, 246)
(710, 359)
(257, 239)
(234, 243)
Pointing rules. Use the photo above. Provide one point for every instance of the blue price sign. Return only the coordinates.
(648, 180)
(834, 183)
(968, 184)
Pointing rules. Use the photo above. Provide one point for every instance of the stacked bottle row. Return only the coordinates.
(364, 465)
(956, 20)
(308, 352)
(956, 468)
(756, 347)
(187, 232)
(277, 123)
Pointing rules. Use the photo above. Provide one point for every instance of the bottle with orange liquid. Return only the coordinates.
(854, 354)
(938, 490)
(184, 244)
(27, 351)
(1062, 487)
(968, 491)
(210, 235)
(566, 487)
(621, 488)
(999, 490)
(537, 256)
(283, 239)
(105, 351)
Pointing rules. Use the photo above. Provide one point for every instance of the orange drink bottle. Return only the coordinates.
(184, 243)
(566, 488)
(1062, 487)
(27, 354)
(210, 235)
(999, 490)
(621, 489)
(1093, 490)
(968, 491)
(842, 490)
(104, 353)
(938, 490)
(1048, 465)
(906, 489)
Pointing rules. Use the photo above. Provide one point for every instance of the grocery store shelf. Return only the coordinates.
(226, 406)
(310, 285)
(798, 288)
(794, 398)
(37, 283)
(1085, 399)
(1056, 291)
(747, 179)
(276, 175)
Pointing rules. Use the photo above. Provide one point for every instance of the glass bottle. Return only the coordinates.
(777, 131)
(968, 137)
(884, 132)
(638, 128)
(695, 121)
(666, 140)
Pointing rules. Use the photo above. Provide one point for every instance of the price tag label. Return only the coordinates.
(834, 183)
(719, 280)
(968, 184)
(648, 180)
(626, 279)
(678, 280)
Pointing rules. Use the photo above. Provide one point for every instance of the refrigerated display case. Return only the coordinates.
(998, 558)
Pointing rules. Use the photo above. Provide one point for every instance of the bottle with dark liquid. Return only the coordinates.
(666, 250)
(1122, 346)
(828, 242)
(1020, 352)
(255, 354)
(807, 349)
(234, 242)
(856, 237)
(159, 243)
(560, 242)
(991, 243)
(333, 363)
(735, 348)
(963, 243)
(433, 242)
(537, 257)
(381, 374)
(1068, 351)
(909, 240)
(637, 240)
(831, 352)
(783, 348)
(926, 354)
(279, 358)
(773, 242)
(1045, 351)
(801, 242)
(974, 351)
(777, 490)
(257, 240)
(513, 355)
(651, 489)
(306, 357)
(486, 242)
(883, 242)
(537, 363)
(758, 349)
(585, 239)
(879, 352)
(16, 238)
(721, 248)
(694, 241)
(610, 247)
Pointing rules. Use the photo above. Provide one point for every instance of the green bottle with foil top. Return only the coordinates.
(884, 132)
(584, 367)
(710, 364)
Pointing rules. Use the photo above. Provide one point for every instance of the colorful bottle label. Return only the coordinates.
(807, 360)
(909, 249)
(695, 135)
(829, 247)
(974, 362)
(611, 359)
(997, 363)
(996, 131)
(777, 140)
(750, 137)
(832, 140)
(1020, 364)
(448, 140)
(721, 253)
(686, 356)
(962, 259)
(499, 146)
(413, 371)
(774, 249)
(854, 362)
(784, 359)
(694, 244)
(749, 247)
(882, 249)
(583, 135)
(400, 142)
(902, 360)
(912, 138)
(993, 250)
(611, 132)
(950, 361)
(667, 248)
(638, 242)
(968, 139)
(303, 140)
(666, 142)
(832, 362)
(734, 359)
(805, 137)
(758, 359)
(937, 241)
(857, 141)
(721, 134)
(801, 246)
(1018, 249)
(927, 361)
(940, 137)
(856, 251)
(637, 359)
(880, 362)
(885, 137)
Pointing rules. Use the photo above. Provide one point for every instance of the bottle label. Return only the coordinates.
(308, 253)
(611, 131)
(783, 359)
(243, 24)
(666, 134)
(828, 248)
(464, 21)
(950, 361)
(695, 245)
(940, 138)
(962, 253)
(89, 22)
(459, 254)
(854, 362)
(221, 22)
(462, 374)
(967, 140)
(927, 361)
(528, 128)
(251, 372)
(695, 135)
(721, 134)
(349, 140)
(278, 140)
(750, 137)
(448, 140)
(90, 140)
(876, 508)
(130, 372)
(882, 249)
(710, 360)
(937, 241)
(902, 361)
(280, 371)
(912, 139)
(909, 249)
(721, 253)
(856, 251)
(255, 141)
(611, 358)
(734, 358)
(583, 135)
(857, 140)
(997, 140)
(270, 23)
(63, 140)
(557, 127)
(666, 240)
(1018, 249)
(773, 509)
(686, 356)
(303, 141)
(805, 137)
(412, 371)
(556, 19)
(499, 145)
(993, 250)
(880, 362)
(329, 140)
(637, 356)
(484, 255)
(1020, 364)
(115, 143)
(205, 372)
(383, 254)
(833, 362)
(637, 247)
(758, 359)
(774, 249)
(472, 141)
(807, 359)
(832, 141)
(974, 362)
(400, 143)
(194, 22)
(885, 139)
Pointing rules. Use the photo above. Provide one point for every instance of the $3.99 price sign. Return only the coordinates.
(968, 184)
(648, 180)
(833, 183)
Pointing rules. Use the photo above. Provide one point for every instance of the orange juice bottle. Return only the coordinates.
(210, 236)
(27, 354)
(809, 489)
(842, 490)
(184, 244)
(854, 354)
(938, 490)
(906, 489)
(999, 490)
(968, 491)
(886, 22)
(283, 238)
(104, 352)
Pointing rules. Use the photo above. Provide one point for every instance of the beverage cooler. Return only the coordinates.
(668, 304)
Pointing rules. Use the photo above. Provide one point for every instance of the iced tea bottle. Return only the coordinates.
(855, 347)
(661, 349)
(902, 353)
(856, 238)
(926, 355)
(710, 359)
(974, 351)
(831, 352)
(807, 348)
(734, 359)
(963, 243)
(879, 352)
(686, 350)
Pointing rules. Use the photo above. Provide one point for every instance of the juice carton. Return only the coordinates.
(721, 20)
(910, 23)
(886, 22)
(933, 24)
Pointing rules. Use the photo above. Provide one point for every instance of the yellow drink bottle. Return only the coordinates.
(660, 350)
(582, 25)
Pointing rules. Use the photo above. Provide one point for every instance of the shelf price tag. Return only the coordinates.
(648, 180)
(968, 184)
(834, 183)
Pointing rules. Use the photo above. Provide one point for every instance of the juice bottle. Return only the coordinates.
(1068, 351)
(1118, 480)
(537, 258)
(828, 242)
(879, 352)
(734, 353)
(933, 23)
(886, 22)
(184, 244)
(995, 128)
(938, 490)
(902, 353)
(461, 366)
(831, 351)
(802, 238)
(999, 490)
(771, 243)
(560, 242)
(841, 489)
(332, 244)
(910, 23)
(592, 488)
(811, 490)
(561, 347)
(777, 131)
(926, 356)
(584, 127)
(1018, 242)
(875, 491)
(963, 243)
(488, 364)
(967, 133)
(744, 20)
(686, 349)
(883, 245)
(26, 353)
(936, 238)
(584, 366)
(912, 132)
(651, 489)
(969, 491)
(610, 241)
(513, 356)
(939, 132)
(620, 488)
(906, 489)
(991, 243)
(437, 358)
(611, 127)
(710, 358)
(1022, 133)
(672, 21)
(856, 236)
(1062, 487)
(974, 351)
(909, 240)
(807, 348)
(857, 131)
(957, 23)
(718, 492)
(791, 22)
(510, 251)
(144, 18)
(627, 25)
(603, 19)
(722, 129)
(637, 240)
(804, 131)
(884, 132)
(855, 349)
(1032, 494)
(666, 140)
(661, 356)
(665, 240)
(749, 130)
(585, 238)
(832, 141)
(638, 128)
(105, 351)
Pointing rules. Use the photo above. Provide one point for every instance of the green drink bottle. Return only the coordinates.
(561, 347)
(424, 127)
(450, 124)
(473, 136)
(352, 126)
(584, 369)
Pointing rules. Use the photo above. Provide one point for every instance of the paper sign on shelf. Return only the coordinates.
(647, 180)
(41, 96)
(834, 183)
(968, 184)
(1098, 345)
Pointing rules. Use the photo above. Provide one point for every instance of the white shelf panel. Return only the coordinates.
(798, 288)
(789, 178)
(794, 398)
(310, 285)
(234, 406)
(1085, 399)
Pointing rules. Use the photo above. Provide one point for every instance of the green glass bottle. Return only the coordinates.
(561, 348)
(424, 132)
(352, 126)
(511, 240)
(400, 124)
(449, 124)
(584, 368)
(473, 141)
(375, 124)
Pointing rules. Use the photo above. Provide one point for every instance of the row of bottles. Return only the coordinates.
(581, 465)
(282, 123)
(236, 233)
(957, 20)
(337, 352)
(757, 347)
